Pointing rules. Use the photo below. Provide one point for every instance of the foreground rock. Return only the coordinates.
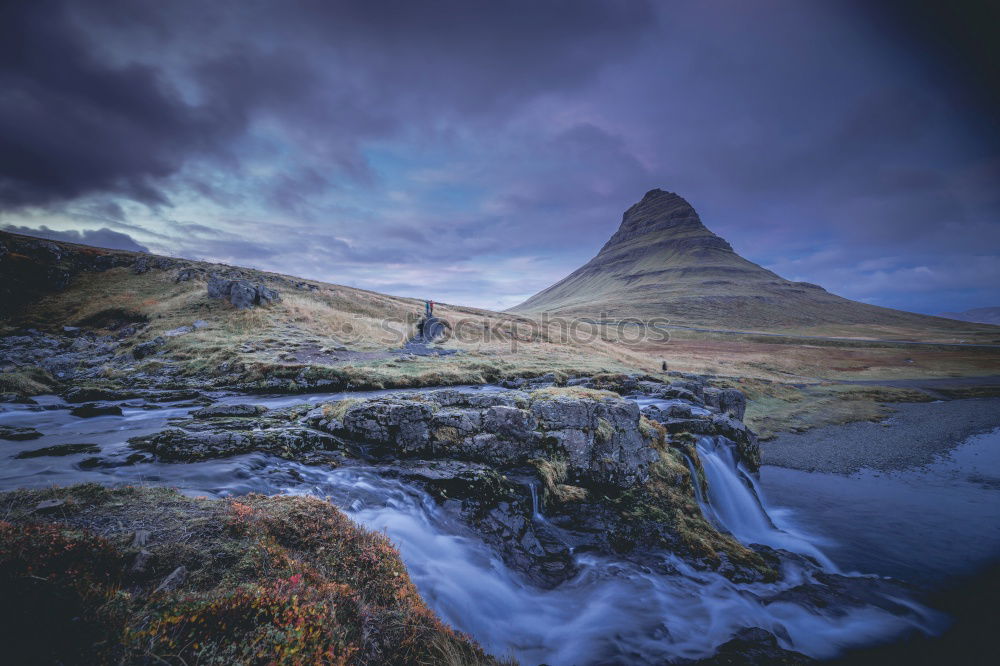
(255, 580)
(607, 478)
(599, 436)
(15, 434)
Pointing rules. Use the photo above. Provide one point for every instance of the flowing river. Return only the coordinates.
(613, 611)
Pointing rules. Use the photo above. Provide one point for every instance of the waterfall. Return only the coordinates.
(736, 504)
(536, 513)
(614, 611)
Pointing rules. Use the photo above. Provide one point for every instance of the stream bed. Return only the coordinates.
(904, 526)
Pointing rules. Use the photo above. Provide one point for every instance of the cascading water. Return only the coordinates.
(735, 503)
(613, 611)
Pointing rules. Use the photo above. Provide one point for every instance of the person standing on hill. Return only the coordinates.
(429, 308)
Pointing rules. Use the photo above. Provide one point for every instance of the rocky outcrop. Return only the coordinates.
(31, 266)
(189, 444)
(146, 263)
(243, 294)
(186, 274)
(607, 478)
(599, 437)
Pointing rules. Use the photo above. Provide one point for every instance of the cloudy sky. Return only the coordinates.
(476, 152)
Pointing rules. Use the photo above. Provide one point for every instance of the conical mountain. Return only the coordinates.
(663, 262)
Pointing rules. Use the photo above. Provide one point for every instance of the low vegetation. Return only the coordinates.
(145, 575)
(775, 407)
(27, 381)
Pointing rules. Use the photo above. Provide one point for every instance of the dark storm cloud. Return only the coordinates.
(77, 116)
(71, 124)
(105, 237)
(955, 43)
(482, 150)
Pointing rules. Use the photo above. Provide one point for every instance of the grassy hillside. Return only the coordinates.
(331, 331)
(313, 325)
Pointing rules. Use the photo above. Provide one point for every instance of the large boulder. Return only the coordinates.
(733, 402)
(727, 401)
(392, 423)
(241, 293)
(744, 437)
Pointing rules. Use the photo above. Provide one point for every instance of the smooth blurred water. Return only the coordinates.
(612, 612)
(922, 525)
(737, 504)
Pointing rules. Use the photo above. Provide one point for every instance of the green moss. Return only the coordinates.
(447, 434)
(27, 381)
(339, 409)
(576, 392)
(604, 431)
(665, 509)
(553, 473)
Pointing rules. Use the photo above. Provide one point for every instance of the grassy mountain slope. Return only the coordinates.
(663, 262)
(977, 315)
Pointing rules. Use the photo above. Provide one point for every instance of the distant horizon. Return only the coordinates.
(479, 152)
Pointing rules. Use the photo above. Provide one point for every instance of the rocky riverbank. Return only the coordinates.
(913, 435)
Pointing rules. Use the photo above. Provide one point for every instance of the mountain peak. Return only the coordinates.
(663, 261)
(662, 217)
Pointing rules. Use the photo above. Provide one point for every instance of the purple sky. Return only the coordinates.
(476, 152)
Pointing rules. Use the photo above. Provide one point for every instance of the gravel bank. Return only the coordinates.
(910, 437)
